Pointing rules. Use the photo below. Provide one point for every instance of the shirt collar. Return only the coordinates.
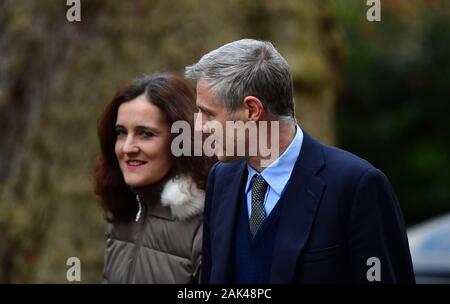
(278, 173)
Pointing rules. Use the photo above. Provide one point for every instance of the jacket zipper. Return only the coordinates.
(138, 214)
(140, 234)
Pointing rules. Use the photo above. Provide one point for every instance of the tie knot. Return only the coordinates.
(259, 185)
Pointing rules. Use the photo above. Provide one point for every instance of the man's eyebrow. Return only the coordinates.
(204, 109)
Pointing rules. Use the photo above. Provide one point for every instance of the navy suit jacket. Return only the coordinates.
(337, 212)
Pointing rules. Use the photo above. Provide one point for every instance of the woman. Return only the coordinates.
(153, 201)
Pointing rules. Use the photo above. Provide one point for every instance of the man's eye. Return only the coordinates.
(203, 112)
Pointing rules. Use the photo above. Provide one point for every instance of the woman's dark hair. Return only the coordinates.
(176, 99)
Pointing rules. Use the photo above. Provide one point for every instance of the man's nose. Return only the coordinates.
(198, 124)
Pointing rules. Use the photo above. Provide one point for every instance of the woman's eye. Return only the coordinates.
(120, 132)
(147, 134)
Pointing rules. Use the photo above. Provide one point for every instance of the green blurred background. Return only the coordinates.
(378, 89)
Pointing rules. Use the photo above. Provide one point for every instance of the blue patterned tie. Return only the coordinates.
(259, 186)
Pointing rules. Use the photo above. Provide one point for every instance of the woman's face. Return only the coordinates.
(142, 143)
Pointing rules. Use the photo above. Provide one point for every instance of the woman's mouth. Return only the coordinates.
(134, 164)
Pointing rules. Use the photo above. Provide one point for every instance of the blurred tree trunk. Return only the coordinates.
(56, 77)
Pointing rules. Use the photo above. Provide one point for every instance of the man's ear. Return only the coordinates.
(254, 108)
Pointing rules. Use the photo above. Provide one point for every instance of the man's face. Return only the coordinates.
(212, 115)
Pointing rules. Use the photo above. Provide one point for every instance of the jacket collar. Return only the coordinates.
(179, 199)
(300, 204)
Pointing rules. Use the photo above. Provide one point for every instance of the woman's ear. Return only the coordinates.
(254, 108)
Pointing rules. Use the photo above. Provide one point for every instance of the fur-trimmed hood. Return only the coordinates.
(183, 197)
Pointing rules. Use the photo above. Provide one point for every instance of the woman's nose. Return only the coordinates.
(130, 145)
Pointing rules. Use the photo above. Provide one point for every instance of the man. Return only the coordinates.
(315, 214)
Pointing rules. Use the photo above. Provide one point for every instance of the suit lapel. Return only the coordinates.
(226, 218)
(299, 205)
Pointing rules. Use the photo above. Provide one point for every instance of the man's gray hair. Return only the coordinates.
(247, 67)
